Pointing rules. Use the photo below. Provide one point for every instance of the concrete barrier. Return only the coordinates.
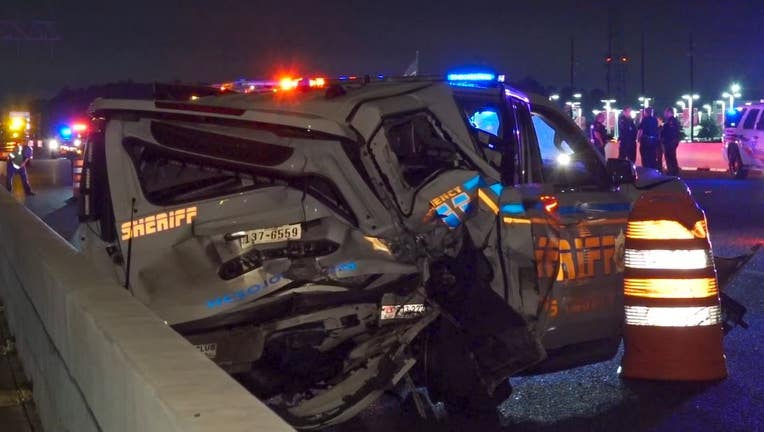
(98, 359)
(706, 156)
(45, 172)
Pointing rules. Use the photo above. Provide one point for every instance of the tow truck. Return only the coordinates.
(14, 132)
(325, 241)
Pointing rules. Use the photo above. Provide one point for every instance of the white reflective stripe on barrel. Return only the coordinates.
(660, 259)
(690, 316)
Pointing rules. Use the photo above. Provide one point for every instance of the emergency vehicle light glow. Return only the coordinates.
(17, 123)
(673, 316)
(79, 127)
(670, 288)
(65, 132)
(316, 82)
(471, 76)
(662, 259)
(665, 230)
(287, 83)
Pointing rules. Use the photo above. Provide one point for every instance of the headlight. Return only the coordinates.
(53, 144)
(77, 142)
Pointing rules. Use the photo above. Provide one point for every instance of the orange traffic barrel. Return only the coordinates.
(673, 325)
(76, 176)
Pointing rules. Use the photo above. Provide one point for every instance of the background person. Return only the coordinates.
(670, 141)
(18, 161)
(598, 133)
(647, 135)
(627, 136)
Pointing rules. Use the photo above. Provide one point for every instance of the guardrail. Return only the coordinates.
(98, 359)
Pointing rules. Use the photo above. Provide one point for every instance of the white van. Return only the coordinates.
(743, 140)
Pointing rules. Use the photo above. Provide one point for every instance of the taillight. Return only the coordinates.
(550, 203)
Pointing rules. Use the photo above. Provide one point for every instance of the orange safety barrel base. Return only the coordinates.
(673, 353)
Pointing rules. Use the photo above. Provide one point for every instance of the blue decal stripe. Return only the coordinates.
(472, 183)
(513, 208)
(496, 188)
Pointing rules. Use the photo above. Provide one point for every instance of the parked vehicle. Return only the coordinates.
(743, 140)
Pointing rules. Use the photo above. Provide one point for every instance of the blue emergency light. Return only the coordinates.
(471, 76)
(65, 132)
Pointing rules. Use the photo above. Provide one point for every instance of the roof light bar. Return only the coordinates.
(471, 76)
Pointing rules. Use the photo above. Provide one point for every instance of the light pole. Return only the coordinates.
(616, 132)
(723, 117)
(574, 109)
(707, 107)
(645, 101)
(607, 103)
(723, 104)
(689, 99)
(681, 105)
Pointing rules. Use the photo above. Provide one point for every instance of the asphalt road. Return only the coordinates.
(594, 398)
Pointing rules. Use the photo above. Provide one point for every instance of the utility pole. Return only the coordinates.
(572, 64)
(642, 65)
(692, 83)
(609, 60)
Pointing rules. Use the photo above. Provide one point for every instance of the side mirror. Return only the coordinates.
(621, 171)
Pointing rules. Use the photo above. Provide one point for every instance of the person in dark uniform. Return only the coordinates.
(670, 141)
(18, 161)
(627, 136)
(598, 133)
(647, 135)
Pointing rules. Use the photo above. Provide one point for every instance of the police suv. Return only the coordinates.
(743, 142)
(327, 240)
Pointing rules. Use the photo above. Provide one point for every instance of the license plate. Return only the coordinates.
(271, 235)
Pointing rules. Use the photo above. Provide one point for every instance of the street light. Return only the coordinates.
(681, 104)
(733, 93)
(645, 101)
(576, 95)
(689, 99)
(724, 105)
(707, 107)
(575, 108)
(554, 97)
(607, 103)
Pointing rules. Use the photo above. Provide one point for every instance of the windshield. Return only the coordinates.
(567, 157)
(169, 176)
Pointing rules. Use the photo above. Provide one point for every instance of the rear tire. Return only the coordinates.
(736, 169)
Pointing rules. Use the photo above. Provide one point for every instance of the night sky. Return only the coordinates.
(213, 41)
